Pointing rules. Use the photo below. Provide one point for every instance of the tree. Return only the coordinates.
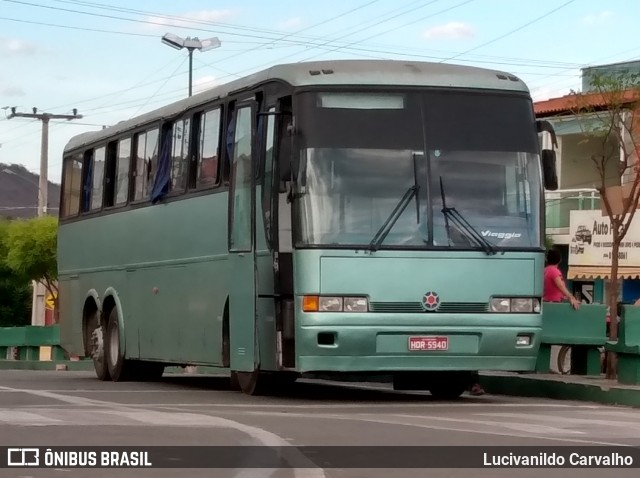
(609, 115)
(15, 293)
(32, 246)
(548, 242)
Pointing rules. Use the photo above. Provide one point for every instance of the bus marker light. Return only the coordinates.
(310, 303)
(428, 343)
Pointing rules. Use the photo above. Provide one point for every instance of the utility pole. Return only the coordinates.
(43, 188)
(39, 291)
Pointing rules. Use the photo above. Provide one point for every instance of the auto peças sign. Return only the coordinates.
(591, 240)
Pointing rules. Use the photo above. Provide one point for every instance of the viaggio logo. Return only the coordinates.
(501, 235)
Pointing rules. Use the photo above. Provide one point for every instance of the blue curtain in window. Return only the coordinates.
(231, 137)
(163, 176)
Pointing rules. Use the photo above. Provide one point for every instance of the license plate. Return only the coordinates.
(428, 343)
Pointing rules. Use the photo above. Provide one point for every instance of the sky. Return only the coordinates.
(106, 58)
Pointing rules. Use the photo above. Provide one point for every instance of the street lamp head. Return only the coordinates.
(209, 44)
(174, 41)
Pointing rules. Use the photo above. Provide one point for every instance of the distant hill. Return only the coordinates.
(19, 193)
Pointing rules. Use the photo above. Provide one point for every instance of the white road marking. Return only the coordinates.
(410, 420)
(25, 418)
(259, 435)
(517, 426)
(632, 423)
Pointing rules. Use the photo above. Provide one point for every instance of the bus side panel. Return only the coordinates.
(168, 264)
(70, 315)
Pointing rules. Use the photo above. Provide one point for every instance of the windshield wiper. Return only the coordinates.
(384, 230)
(463, 225)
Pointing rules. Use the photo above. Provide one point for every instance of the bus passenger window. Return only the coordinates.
(122, 171)
(145, 162)
(98, 178)
(209, 148)
(180, 155)
(72, 185)
(151, 156)
(140, 173)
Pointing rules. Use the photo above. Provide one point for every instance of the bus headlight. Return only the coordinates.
(500, 305)
(356, 304)
(330, 304)
(516, 305)
(521, 305)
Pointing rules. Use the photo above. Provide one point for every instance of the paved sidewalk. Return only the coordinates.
(596, 389)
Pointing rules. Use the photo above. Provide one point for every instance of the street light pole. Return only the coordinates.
(190, 70)
(174, 41)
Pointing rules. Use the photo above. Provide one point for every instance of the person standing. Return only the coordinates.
(555, 289)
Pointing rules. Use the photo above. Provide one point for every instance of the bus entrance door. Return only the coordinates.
(242, 289)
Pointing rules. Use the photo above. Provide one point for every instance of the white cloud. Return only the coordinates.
(596, 18)
(12, 91)
(204, 83)
(292, 22)
(545, 93)
(14, 46)
(188, 19)
(454, 30)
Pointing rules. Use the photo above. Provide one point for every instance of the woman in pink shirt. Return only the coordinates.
(554, 288)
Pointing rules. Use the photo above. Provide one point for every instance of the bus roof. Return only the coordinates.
(333, 72)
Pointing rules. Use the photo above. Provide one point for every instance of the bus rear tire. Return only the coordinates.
(95, 341)
(119, 368)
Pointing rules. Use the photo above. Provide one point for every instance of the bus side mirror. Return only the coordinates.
(549, 169)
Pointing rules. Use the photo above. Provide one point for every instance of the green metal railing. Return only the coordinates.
(559, 204)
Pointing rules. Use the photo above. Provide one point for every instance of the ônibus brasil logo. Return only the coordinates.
(430, 301)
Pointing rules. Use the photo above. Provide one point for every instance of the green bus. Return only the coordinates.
(350, 216)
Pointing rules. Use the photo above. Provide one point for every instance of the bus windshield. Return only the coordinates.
(359, 157)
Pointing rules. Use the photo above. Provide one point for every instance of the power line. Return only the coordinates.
(510, 32)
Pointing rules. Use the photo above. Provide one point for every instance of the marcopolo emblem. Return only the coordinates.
(430, 301)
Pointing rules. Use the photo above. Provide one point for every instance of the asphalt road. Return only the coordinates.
(50, 409)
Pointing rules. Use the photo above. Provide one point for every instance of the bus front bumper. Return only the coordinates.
(386, 348)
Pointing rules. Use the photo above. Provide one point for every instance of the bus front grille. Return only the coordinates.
(416, 307)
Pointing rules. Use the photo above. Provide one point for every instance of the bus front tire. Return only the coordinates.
(447, 391)
(449, 386)
(261, 383)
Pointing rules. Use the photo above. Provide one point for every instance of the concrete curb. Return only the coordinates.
(560, 389)
(87, 366)
(73, 365)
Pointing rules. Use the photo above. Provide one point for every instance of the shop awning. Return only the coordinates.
(601, 272)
